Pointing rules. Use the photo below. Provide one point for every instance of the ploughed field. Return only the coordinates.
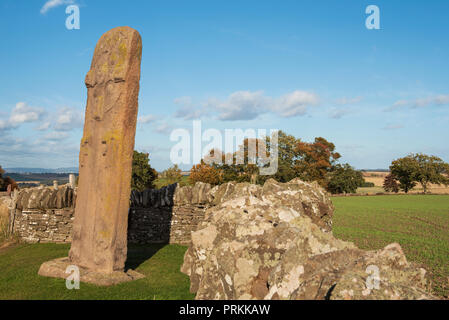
(419, 223)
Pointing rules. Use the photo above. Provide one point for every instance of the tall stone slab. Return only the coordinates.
(99, 245)
(106, 151)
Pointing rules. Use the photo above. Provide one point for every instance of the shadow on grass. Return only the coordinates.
(138, 254)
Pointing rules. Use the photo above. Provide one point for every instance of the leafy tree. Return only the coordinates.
(309, 161)
(287, 157)
(316, 160)
(391, 184)
(172, 175)
(242, 165)
(6, 181)
(143, 175)
(2, 181)
(430, 169)
(420, 168)
(404, 169)
(344, 179)
(205, 173)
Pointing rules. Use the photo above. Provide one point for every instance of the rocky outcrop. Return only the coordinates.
(307, 199)
(274, 242)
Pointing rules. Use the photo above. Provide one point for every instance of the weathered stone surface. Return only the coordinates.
(57, 269)
(274, 244)
(101, 216)
(306, 198)
(45, 198)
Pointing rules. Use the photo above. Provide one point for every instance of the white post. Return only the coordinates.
(72, 181)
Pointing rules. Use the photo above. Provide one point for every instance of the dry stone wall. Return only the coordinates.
(167, 215)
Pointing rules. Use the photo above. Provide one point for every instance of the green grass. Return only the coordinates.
(162, 182)
(160, 264)
(419, 223)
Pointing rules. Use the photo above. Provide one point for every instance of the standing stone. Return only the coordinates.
(105, 162)
(99, 239)
(55, 184)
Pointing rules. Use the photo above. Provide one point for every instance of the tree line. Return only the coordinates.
(309, 161)
(407, 172)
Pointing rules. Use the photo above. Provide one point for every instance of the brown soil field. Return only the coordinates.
(378, 177)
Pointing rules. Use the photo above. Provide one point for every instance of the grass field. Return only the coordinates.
(161, 182)
(160, 264)
(419, 223)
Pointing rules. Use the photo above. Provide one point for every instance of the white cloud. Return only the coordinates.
(438, 100)
(50, 4)
(146, 119)
(248, 105)
(184, 101)
(23, 113)
(441, 99)
(68, 119)
(4, 125)
(295, 103)
(187, 111)
(44, 126)
(190, 113)
(337, 113)
(23, 152)
(240, 105)
(56, 136)
(164, 128)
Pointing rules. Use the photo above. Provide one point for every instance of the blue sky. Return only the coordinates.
(310, 68)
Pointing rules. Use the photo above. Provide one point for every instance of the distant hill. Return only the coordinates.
(41, 170)
(34, 179)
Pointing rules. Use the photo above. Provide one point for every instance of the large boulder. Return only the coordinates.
(274, 243)
(307, 198)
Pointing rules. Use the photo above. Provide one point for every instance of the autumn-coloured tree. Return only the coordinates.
(315, 160)
(391, 184)
(172, 175)
(6, 181)
(243, 165)
(205, 173)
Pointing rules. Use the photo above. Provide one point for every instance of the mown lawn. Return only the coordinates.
(419, 223)
(160, 264)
